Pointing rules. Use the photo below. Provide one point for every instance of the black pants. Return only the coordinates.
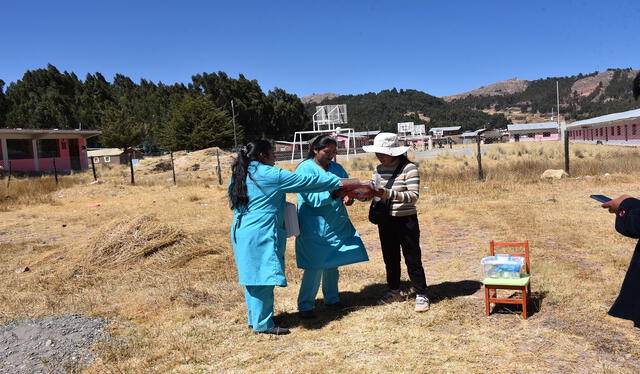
(394, 233)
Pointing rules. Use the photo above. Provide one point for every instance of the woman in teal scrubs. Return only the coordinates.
(257, 195)
(327, 238)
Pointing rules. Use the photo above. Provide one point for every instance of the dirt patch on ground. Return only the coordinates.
(55, 344)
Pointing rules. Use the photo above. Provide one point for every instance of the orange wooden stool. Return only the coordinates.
(523, 284)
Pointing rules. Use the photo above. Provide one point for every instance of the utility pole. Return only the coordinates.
(558, 101)
(562, 130)
(233, 118)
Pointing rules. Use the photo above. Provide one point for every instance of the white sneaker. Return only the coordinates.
(422, 303)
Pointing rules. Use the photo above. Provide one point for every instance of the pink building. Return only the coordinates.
(343, 139)
(618, 128)
(36, 149)
(531, 132)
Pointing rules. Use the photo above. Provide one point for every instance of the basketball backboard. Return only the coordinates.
(405, 127)
(327, 116)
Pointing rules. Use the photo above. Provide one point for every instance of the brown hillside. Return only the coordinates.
(508, 86)
(586, 86)
(317, 98)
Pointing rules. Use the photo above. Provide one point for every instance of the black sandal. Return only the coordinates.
(275, 331)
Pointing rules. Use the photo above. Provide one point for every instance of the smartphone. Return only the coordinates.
(600, 198)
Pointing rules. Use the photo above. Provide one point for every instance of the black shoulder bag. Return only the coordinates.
(379, 210)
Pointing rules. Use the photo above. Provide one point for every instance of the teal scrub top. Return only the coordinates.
(257, 233)
(327, 238)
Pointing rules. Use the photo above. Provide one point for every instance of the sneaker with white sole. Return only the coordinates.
(390, 297)
(422, 303)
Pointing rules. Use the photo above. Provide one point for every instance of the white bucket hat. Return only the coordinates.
(386, 143)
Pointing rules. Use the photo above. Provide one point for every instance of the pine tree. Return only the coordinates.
(196, 123)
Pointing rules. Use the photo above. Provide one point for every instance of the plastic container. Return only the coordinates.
(375, 178)
(502, 266)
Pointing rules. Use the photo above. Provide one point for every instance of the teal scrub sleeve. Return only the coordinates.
(291, 182)
(320, 199)
(313, 199)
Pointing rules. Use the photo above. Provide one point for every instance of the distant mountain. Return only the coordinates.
(508, 86)
(493, 106)
(317, 98)
(383, 110)
(581, 96)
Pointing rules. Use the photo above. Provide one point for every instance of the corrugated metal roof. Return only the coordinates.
(366, 133)
(533, 126)
(105, 152)
(20, 133)
(451, 128)
(630, 114)
(472, 133)
(49, 131)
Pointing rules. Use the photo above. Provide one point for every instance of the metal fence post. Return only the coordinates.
(173, 169)
(55, 170)
(93, 167)
(133, 180)
(480, 172)
(219, 170)
(566, 151)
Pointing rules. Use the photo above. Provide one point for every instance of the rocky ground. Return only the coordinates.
(53, 344)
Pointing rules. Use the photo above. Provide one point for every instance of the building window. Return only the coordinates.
(633, 129)
(107, 158)
(48, 148)
(531, 135)
(96, 160)
(19, 149)
(618, 129)
(546, 134)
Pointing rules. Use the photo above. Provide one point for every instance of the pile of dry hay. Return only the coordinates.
(130, 240)
(202, 160)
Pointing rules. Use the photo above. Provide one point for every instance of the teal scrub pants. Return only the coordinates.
(259, 307)
(311, 283)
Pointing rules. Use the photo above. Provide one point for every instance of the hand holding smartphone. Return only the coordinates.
(601, 198)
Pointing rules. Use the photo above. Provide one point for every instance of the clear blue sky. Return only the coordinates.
(345, 47)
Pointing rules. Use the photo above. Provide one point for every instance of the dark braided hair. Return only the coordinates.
(238, 197)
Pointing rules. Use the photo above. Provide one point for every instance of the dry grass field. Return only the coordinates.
(157, 261)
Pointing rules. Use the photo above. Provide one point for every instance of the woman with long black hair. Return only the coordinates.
(257, 196)
(327, 238)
